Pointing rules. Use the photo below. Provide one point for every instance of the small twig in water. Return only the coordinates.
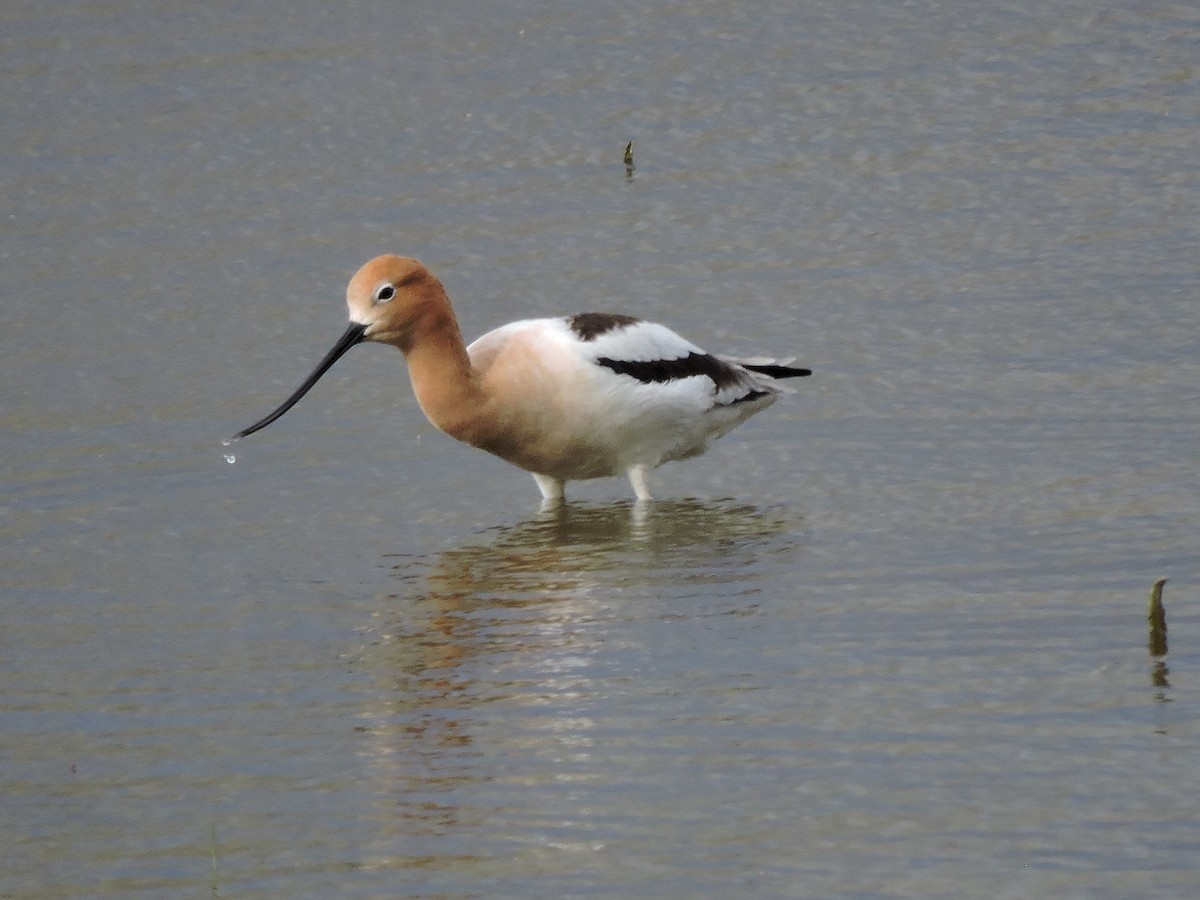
(1157, 618)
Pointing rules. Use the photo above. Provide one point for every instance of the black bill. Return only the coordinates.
(353, 335)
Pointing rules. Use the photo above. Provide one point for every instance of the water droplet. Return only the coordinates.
(226, 442)
(230, 458)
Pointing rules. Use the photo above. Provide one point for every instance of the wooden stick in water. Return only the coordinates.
(1157, 618)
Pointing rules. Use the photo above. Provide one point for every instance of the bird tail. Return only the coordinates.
(775, 368)
(766, 372)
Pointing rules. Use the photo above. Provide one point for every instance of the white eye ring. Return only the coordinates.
(384, 293)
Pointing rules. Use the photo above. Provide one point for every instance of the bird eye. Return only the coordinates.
(385, 293)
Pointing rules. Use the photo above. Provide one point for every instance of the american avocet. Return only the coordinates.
(584, 396)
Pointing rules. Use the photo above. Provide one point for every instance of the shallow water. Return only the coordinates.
(887, 639)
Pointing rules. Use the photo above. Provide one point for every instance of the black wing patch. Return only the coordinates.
(723, 375)
(590, 326)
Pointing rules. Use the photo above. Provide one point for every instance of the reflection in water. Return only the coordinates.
(490, 655)
(1159, 677)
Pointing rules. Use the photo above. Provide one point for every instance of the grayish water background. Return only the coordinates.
(886, 639)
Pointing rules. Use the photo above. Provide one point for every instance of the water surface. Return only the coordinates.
(887, 639)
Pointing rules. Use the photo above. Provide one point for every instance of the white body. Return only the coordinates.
(577, 418)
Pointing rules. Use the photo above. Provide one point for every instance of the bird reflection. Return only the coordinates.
(489, 655)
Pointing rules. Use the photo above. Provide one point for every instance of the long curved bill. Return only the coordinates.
(353, 335)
